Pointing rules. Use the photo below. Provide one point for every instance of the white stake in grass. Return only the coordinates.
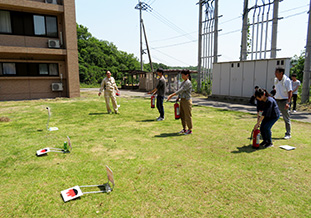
(47, 125)
(75, 192)
(67, 148)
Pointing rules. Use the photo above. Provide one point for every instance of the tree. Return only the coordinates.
(97, 56)
(298, 63)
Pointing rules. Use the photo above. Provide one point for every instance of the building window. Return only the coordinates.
(43, 69)
(53, 69)
(27, 24)
(51, 26)
(9, 69)
(5, 22)
(39, 24)
(28, 69)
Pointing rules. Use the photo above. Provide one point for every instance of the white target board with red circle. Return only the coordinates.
(71, 193)
(43, 151)
(75, 192)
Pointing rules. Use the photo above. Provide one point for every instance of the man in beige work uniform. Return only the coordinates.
(109, 85)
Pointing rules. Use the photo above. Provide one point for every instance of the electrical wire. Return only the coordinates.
(174, 37)
(167, 22)
(294, 15)
(152, 2)
(230, 20)
(292, 9)
(177, 44)
(227, 33)
(171, 57)
(184, 34)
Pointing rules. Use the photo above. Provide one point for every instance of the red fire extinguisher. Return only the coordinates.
(256, 138)
(177, 111)
(152, 101)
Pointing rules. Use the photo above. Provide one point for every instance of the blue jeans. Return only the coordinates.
(160, 107)
(265, 128)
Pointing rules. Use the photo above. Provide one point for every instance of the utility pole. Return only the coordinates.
(243, 55)
(216, 33)
(150, 61)
(274, 28)
(307, 69)
(141, 6)
(200, 46)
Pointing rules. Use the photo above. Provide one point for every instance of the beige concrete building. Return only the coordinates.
(38, 49)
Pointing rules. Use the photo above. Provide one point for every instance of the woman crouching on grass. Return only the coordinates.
(184, 93)
(270, 115)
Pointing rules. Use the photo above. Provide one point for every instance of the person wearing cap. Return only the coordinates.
(295, 84)
(283, 95)
(109, 86)
(160, 91)
(184, 93)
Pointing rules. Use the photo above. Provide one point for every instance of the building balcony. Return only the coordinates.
(34, 6)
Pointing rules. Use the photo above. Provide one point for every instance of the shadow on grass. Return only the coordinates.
(245, 149)
(278, 138)
(145, 121)
(164, 135)
(97, 113)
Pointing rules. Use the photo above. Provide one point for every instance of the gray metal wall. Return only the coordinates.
(238, 78)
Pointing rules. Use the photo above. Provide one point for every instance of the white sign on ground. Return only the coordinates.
(75, 192)
(287, 147)
(66, 148)
(43, 151)
(71, 193)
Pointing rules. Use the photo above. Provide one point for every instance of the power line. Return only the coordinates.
(171, 57)
(177, 44)
(159, 59)
(227, 33)
(152, 2)
(231, 20)
(294, 15)
(174, 37)
(167, 22)
(292, 9)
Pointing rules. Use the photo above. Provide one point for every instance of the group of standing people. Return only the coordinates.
(184, 95)
(108, 85)
(269, 108)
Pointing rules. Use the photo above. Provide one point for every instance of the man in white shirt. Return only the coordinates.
(283, 95)
(295, 84)
(109, 85)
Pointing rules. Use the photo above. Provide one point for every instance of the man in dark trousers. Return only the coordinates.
(160, 90)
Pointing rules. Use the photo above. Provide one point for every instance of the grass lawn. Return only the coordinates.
(212, 173)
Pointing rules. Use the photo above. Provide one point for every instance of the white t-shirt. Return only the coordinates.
(295, 85)
(282, 87)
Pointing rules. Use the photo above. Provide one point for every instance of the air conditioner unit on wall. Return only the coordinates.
(51, 1)
(57, 87)
(53, 43)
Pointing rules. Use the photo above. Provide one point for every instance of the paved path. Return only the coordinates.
(299, 116)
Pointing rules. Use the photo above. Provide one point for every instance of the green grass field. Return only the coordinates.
(158, 173)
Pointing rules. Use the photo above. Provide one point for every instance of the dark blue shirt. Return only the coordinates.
(260, 105)
(270, 108)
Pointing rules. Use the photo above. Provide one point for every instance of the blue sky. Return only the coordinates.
(172, 27)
